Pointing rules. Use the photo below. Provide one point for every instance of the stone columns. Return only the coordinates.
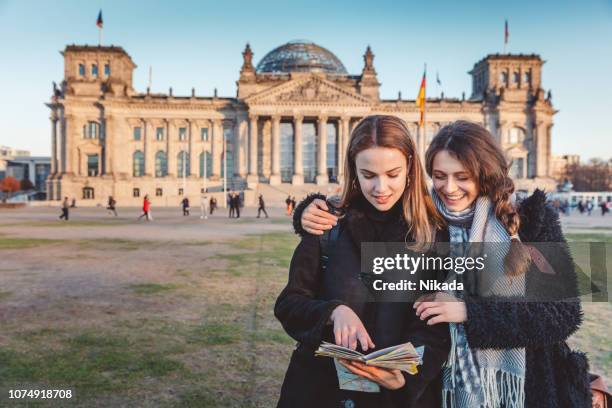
(71, 152)
(252, 178)
(54, 159)
(107, 132)
(149, 150)
(322, 177)
(345, 137)
(216, 148)
(542, 145)
(171, 147)
(193, 156)
(275, 177)
(241, 146)
(298, 158)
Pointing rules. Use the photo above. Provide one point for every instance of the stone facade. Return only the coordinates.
(289, 123)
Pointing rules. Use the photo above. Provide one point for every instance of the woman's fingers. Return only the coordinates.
(364, 340)
(338, 336)
(430, 311)
(424, 305)
(345, 336)
(319, 204)
(319, 219)
(353, 339)
(355, 370)
(314, 229)
(437, 319)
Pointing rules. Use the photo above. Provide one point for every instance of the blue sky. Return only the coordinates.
(199, 44)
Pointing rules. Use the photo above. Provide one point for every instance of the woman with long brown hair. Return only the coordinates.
(508, 349)
(384, 199)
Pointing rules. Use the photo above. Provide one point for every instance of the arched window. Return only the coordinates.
(516, 135)
(88, 193)
(139, 163)
(516, 78)
(161, 164)
(94, 70)
(182, 164)
(208, 162)
(504, 78)
(91, 130)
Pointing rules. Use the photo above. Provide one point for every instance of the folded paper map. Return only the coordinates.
(404, 357)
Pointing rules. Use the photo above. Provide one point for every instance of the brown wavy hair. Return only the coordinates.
(420, 213)
(473, 146)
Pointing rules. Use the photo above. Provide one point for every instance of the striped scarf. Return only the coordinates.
(483, 378)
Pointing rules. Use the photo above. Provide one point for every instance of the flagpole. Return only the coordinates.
(424, 130)
(224, 172)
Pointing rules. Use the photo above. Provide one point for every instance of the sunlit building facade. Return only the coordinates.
(289, 122)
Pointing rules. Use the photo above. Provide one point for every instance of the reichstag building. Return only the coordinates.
(288, 125)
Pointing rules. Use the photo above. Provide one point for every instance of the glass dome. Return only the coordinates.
(301, 56)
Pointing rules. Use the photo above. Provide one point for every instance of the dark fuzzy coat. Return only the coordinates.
(556, 377)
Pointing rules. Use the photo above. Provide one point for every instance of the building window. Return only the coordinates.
(106, 69)
(139, 163)
(182, 134)
(159, 133)
(91, 130)
(81, 69)
(183, 164)
(516, 78)
(88, 193)
(159, 192)
(137, 133)
(180, 192)
(516, 135)
(205, 164)
(94, 70)
(528, 78)
(504, 78)
(309, 151)
(136, 192)
(332, 155)
(92, 165)
(516, 168)
(286, 151)
(229, 153)
(204, 134)
(161, 164)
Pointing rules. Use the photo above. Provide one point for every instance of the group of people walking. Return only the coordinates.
(495, 349)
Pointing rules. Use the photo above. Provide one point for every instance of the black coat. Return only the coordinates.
(306, 303)
(556, 376)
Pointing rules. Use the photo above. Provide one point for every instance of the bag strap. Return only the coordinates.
(326, 243)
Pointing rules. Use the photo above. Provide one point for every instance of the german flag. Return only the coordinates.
(420, 100)
(99, 21)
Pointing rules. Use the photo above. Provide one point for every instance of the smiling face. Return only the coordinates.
(382, 174)
(453, 183)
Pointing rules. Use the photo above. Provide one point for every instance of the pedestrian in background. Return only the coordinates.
(203, 202)
(146, 209)
(213, 205)
(262, 207)
(185, 204)
(112, 205)
(65, 207)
